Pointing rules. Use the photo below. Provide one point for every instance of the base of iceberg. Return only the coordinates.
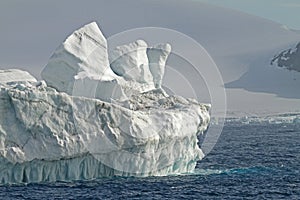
(84, 167)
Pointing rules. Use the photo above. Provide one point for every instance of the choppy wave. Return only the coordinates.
(245, 170)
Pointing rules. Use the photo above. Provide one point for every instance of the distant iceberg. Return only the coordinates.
(284, 118)
(96, 115)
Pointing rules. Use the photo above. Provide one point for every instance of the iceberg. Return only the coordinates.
(97, 115)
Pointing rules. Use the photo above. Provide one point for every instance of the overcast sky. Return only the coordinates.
(286, 12)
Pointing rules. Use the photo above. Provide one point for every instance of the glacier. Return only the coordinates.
(97, 114)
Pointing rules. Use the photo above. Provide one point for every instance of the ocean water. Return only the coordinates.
(254, 160)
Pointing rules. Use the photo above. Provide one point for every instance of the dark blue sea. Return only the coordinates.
(250, 161)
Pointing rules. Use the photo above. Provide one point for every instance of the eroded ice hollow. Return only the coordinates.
(96, 115)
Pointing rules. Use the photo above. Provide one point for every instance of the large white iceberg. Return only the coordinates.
(95, 119)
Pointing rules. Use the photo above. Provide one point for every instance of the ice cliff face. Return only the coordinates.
(289, 59)
(92, 119)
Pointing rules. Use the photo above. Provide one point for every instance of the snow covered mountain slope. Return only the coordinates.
(289, 59)
(52, 135)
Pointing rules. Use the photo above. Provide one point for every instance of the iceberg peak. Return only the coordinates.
(82, 61)
(82, 55)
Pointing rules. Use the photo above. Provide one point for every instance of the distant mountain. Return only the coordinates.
(289, 59)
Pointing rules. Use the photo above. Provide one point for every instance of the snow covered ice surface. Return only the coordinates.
(14, 75)
(90, 119)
